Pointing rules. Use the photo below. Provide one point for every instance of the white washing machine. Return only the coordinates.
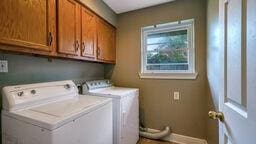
(54, 113)
(125, 109)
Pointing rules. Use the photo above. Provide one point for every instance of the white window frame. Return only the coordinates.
(169, 74)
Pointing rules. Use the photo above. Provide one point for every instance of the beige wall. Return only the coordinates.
(212, 66)
(158, 109)
(101, 9)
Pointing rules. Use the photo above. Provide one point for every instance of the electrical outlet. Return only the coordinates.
(176, 95)
(3, 66)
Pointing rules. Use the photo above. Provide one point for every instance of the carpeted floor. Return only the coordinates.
(147, 141)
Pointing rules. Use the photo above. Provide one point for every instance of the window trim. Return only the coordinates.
(169, 74)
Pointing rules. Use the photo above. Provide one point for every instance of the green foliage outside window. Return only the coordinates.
(171, 48)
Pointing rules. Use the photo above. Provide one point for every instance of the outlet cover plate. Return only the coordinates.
(176, 95)
(3, 66)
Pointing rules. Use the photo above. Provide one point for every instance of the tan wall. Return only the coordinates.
(212, 66)
(158, 109)
(101, 9)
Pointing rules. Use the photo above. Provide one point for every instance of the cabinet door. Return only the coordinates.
(69, 27)
(88, 33)
(106, 50)
(28, 24)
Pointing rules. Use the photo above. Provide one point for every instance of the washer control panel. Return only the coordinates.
(24, 93)
(23, 96)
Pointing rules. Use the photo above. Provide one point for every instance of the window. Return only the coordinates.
(167, 51)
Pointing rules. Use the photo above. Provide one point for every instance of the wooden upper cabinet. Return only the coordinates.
(39, 26)
(88, 22)
(106, 50)
(69, 29)
(28, 24)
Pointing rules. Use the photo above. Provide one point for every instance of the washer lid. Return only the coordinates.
(56, 114)
(115, 92)
(66, 107)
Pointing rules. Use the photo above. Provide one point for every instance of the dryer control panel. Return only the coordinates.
(96, 84)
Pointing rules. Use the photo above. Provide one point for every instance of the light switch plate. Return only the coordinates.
(176, 95)
(3, 66)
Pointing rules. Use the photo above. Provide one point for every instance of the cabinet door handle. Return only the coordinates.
(98, 51)
(83, 46)
(76, 45)
(50, 39)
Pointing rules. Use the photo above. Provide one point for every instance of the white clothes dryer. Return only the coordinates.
(125, 109)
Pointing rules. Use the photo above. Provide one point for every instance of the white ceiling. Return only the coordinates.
(121, 6)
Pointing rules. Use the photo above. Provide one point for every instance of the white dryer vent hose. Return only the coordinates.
(154, 134)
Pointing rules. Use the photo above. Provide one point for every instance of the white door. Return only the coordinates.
(238, 71)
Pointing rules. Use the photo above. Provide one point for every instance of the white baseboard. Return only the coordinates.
(181, 139)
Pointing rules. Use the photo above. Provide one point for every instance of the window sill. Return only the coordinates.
(175, 76)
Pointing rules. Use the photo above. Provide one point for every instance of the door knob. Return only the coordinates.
(216, 115)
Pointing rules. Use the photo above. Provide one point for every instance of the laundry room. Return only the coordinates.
(128, 71)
